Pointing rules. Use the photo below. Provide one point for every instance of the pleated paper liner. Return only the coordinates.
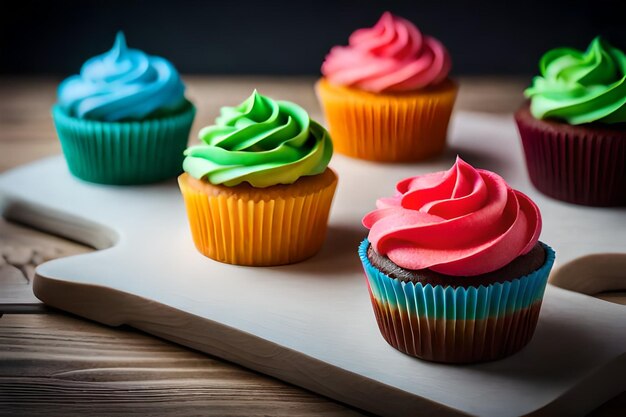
(388, 127)
(457, 325)
(124, 153)
(243, 225)
(583, 164)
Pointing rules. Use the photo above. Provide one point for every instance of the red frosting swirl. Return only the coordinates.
(460, 222)
(391, 56)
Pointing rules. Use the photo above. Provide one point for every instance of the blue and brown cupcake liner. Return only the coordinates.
(457, 325)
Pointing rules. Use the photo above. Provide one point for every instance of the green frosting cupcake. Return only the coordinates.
(262, 142)
(581, 87)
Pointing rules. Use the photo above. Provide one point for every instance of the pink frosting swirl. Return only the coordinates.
(460, 222)
(392, 56)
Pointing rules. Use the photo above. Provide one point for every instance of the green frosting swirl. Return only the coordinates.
(262, 142)
(581, 87)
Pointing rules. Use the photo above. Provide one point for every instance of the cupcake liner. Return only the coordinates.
(577, 164)
(457, 325)
(124, 153)
(242, 225)
(388, 127)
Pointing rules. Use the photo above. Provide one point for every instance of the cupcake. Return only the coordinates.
(258, 190)
(574, 127)
(124, 119)
(387, 96)
(454, 267)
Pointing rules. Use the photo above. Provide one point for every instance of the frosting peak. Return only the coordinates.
(581, 87)
(119, 47)
(122, 84)
(262, 142)
(460, 222)
(392, 56)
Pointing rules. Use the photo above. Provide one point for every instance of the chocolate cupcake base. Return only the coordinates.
(583, 164)
(466, 323)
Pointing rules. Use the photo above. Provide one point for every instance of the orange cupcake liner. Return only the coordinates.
(250, 226)
(397, 127)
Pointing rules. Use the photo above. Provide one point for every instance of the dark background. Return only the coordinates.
(292, 37)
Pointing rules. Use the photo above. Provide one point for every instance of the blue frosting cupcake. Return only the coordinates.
(124, 119)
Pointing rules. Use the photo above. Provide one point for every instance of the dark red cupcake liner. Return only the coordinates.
(577, 164)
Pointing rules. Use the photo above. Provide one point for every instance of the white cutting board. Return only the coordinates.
(311, 324)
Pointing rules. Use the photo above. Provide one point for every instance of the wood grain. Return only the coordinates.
(21, 250)
(55, 365)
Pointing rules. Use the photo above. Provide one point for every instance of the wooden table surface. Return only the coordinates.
(55, 364)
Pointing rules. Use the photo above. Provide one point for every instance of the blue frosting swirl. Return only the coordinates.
(122, 84)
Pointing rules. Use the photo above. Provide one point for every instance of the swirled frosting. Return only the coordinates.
(581, 87)
(262, 142)
(122, 84)
(392, 56)
(460, 222)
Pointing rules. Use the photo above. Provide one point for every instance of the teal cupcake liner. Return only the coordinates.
(124, 153)
(462, 324)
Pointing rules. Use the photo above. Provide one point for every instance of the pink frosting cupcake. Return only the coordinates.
(387, 95)
(455, 269)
